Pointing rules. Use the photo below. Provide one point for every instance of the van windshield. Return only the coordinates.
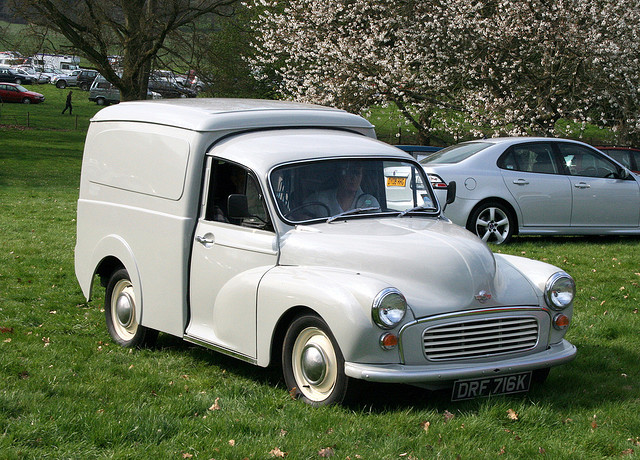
(337, 188)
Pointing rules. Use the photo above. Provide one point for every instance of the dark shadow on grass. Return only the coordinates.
(592, 378)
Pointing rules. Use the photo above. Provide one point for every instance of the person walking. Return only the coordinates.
(68, 106)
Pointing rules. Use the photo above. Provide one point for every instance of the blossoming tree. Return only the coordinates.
(510, 67)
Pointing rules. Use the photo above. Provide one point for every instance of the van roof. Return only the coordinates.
(204, 114)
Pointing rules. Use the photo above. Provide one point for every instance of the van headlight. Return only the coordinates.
(560, 291)
(388, 309)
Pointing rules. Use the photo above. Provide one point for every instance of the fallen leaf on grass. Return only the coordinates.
(541, 450)
(512, 414)
(326, 452)
(7, 340)
(6, 330)
(232, 442)
(215, 405)
(277, 453)
(425, 426)
(448, 416)
(185, 455)
(627, 452)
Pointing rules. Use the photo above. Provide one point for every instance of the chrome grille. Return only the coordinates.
(479, 338)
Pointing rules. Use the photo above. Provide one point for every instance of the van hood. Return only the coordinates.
(438, 266)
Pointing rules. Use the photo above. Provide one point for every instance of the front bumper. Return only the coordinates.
(438, 375)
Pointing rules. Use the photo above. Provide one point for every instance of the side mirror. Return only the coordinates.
(451, 192)
(237, 206)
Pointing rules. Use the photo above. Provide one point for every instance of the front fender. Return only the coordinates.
(341, 298)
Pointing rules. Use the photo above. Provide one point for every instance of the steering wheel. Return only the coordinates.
(306, 205)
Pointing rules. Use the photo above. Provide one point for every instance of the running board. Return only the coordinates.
(219, 349)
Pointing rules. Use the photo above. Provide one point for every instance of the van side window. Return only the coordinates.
(228, 179)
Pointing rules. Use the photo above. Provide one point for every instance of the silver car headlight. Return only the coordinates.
(388, 309)
(560, 291)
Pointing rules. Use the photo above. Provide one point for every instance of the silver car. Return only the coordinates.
(530, 185)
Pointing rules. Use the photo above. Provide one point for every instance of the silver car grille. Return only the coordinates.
(480, 338)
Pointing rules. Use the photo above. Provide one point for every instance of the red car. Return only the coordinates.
(627, 156)
(11, 92)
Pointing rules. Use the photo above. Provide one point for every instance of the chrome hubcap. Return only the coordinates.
(124, 309)
(314, 364)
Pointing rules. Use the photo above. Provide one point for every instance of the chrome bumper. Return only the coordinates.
(438, 374)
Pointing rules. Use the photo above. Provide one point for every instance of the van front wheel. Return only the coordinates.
(120, 313)
(312, 363)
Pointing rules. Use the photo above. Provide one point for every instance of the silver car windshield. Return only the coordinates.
(455, 153)
(339, 189)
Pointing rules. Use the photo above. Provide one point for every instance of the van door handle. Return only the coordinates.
(582, 185)
(203, 240)
(521, 182)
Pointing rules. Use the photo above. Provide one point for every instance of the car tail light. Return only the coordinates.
(436, 181)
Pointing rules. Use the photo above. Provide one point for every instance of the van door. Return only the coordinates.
(229, 258)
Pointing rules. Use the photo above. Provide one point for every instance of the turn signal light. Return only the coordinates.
(388, 341)
(561, 321)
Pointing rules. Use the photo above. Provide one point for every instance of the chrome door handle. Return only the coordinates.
(521, 182)
(204, 241)
(582, 185)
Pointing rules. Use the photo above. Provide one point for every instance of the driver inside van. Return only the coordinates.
(345, 196)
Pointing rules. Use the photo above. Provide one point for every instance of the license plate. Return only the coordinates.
(502, 385)
(396, 181)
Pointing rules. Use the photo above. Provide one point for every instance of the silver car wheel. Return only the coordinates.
(493, 225)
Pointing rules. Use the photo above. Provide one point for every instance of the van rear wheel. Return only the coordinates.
(120, 313)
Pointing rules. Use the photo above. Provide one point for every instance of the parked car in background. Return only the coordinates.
(11, 92)
(536, 186)
(168, 88)
(38, 77)
(626, 156)
(419, 152)
(85, 79)
(263, 260)
(66, 79)
(51, 73)
(10, 75)
(102, 92)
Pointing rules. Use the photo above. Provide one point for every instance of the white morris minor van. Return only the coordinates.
(283, 233)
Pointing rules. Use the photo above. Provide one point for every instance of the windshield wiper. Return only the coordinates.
(415, 209)
(351, 212)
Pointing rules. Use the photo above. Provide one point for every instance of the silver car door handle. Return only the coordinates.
(204, 241)
(521, 182)
(582, 185)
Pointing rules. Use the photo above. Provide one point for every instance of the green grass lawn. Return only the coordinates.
(66, 391)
